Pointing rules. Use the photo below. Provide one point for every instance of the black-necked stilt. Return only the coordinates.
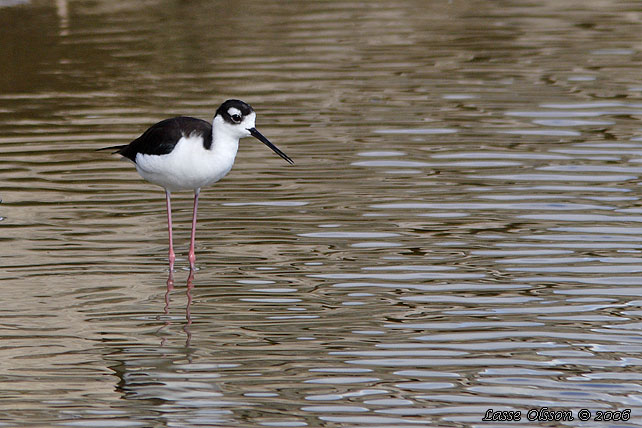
(185, 153)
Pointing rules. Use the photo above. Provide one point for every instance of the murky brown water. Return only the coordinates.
(461, 230)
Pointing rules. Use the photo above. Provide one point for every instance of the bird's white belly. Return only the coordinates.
(188, 167)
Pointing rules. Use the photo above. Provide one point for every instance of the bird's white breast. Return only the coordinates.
(189, 166)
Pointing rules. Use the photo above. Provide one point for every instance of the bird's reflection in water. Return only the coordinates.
(188, 311)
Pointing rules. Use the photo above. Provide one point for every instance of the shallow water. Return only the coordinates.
(460, 232)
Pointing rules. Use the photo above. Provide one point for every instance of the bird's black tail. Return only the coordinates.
(116, 149)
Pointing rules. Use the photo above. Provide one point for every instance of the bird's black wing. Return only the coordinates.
(161, 138)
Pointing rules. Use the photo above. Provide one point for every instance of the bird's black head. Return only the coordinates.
(237, 120)
(234, 111)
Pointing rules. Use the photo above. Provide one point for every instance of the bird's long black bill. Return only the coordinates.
(256, 134)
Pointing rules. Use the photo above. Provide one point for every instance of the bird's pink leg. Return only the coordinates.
(172, 255)
(191, 255)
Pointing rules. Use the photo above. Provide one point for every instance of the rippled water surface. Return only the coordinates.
(461, 230)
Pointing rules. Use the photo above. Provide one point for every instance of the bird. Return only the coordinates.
(186, 153)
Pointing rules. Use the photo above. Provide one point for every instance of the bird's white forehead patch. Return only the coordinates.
(233, 110)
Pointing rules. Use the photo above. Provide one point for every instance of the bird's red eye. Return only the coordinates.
(236, 118)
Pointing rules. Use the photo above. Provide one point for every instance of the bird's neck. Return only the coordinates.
(224, 144)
